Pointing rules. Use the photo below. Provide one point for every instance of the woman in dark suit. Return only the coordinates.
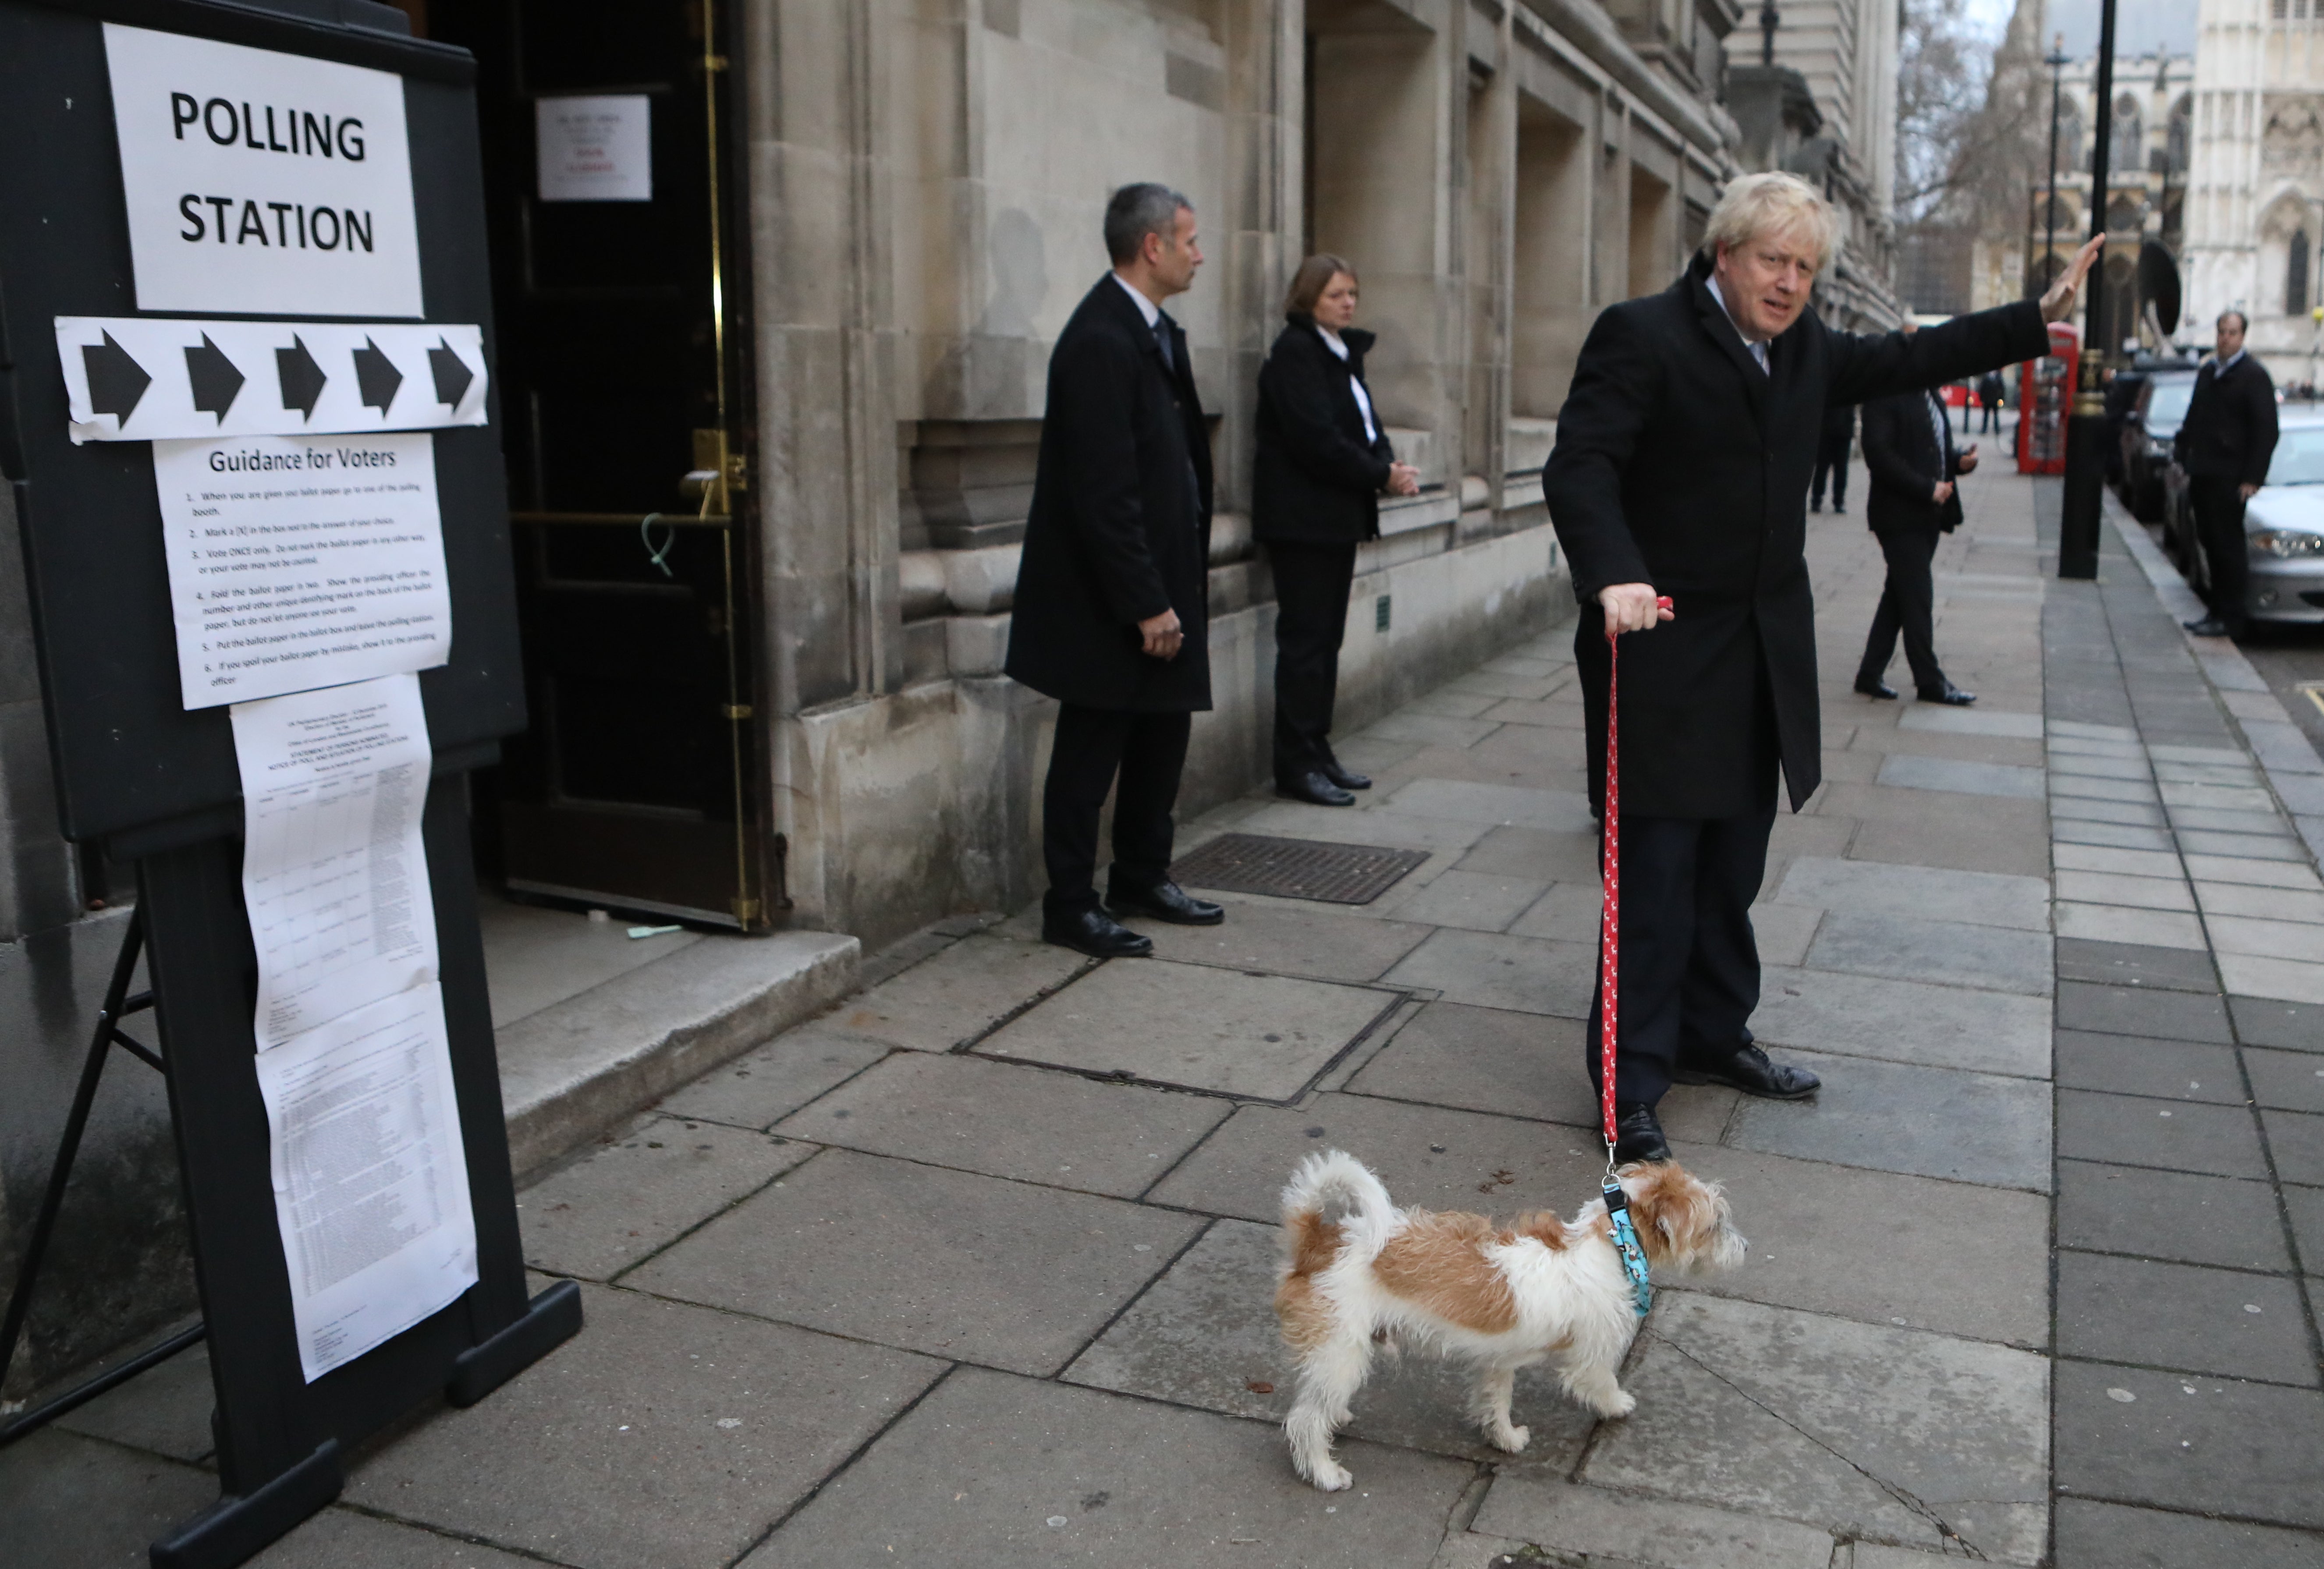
(1324, 462)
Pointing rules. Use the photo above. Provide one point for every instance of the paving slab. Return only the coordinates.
(2241, 846)
(979, 1470)
(2085, 808)
(1882, 1248)
(958, 1265)
(1565, 913)
(2170, 1215)
(2085, 765)
(759, 1088)
(1927, 1121)
(2142, 1011)
(1005, 1119)
(2267, 938)
(2135, 964)
(345, 1538)
(2133, 927)
(2145, 892)
(1528, 852)
(1365, 824)
(2207, 1445)
(1908, 771)
(1316, 941)
(1602, 1526)
(2203, 1320)
(1192, 1025)
(616, 1449)
(1478, 901)
(2105, 1535)
(2275, 1022)
(70, 1499)
(2293, 980)
(1970, 721)
(2293, 1080)
(2274, 903)
(1834, 1424)
(1996, 958)
(2306, 1208)
(1489, 969)
(1486, 1059)
(638, 1193)
(2136, 863)
(1430, 1158)
(2128, 836)
(2264, 873)
(1921, 892)
(957, 995)
(1902, 1020)
(1204, 1334)
(2133, 1065)
(2296, 1140)
(2133, 1131)
(165, 1409)
(1496, 806)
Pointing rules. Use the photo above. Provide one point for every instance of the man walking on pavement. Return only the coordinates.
(1113, 597)
(1832, 443)
(1682, 455)
(2224, 443)
(1989, 391)
(1908, 446)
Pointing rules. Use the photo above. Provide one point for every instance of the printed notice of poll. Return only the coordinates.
(262, 184)
(371, 1177)
(594, 148)
(301, 561)
(333, 869)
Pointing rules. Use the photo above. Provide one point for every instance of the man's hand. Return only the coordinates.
(1403, 479)
(2248, 491)
(1163, 639)
(1966, 460)
(1630, 606)
(1943, 492)
(2059, 303)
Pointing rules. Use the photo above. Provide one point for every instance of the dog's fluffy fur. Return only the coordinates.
(1358, 1273)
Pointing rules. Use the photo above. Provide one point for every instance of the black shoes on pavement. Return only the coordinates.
(1315, 788)
(1949, 694)
(1095, 933)
(2209, 627)
(1874, 686)
(1163, 901)
(1344, 777)
(1637, 1134)
(1749, 1072)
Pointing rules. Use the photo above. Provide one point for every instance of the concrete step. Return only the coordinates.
(570, 1070)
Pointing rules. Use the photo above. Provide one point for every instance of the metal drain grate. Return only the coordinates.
(1295, 868)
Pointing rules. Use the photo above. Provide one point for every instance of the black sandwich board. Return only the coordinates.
(158, 784)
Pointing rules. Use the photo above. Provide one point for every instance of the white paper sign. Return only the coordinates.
(299, 563)
(261, 183)
(151, 378)
(334, 872)
(371, 1179)
(594, 149)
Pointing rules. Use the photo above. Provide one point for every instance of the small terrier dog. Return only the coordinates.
(1502, 1297)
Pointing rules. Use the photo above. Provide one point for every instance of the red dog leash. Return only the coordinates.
(1609, 947)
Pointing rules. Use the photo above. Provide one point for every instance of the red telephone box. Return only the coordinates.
(2045, 397)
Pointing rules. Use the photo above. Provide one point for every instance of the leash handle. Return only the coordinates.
(1609, 924)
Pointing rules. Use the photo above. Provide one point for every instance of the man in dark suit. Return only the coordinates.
(2224, 443)
(1989, 390)
(1832, 441)
(1684, 453)
(1113, 589)
(1908, 446)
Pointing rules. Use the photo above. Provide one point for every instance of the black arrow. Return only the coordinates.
(216, 379)
(376, 377)
(302, 379)
(116, 382)
(452, 374)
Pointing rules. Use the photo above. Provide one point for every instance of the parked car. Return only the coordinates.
(2121, 390)
(2283, 524)
(2146, 432)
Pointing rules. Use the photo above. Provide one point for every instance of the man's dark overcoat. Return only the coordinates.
(1900, 449)
(2229, 431)
(1119, 528)
(1681, 464)
(1316, 479)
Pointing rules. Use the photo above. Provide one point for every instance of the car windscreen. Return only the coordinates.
(2166, 405)
(2298, 457)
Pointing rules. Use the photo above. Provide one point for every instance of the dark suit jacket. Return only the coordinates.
(1316, 479)
(1900, 449)
(1681, 464)
(2229, 431)
(1120, 523)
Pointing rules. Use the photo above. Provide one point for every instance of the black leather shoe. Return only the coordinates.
(1315, 789)
(1749, 1072)
(1344, 777)
(1879, 689)
(1163, 901)
(1095, 933)
(1815, 506)
(2208, 627)
(1839, 508)
(1949, 694)
(1637, 1134)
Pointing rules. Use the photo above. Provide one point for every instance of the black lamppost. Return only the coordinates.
(2056, 61)
(2078, 529)
(1768, 20)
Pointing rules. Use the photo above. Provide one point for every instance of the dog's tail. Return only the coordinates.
(1322, 1180)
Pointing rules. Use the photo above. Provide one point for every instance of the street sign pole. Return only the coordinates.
(2085, 428)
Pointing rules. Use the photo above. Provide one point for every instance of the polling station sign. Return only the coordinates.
(261, 183)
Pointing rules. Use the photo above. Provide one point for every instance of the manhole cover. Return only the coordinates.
(1295, 868)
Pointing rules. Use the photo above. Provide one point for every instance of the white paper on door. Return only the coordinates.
(371, 1180)
(301, 561)
(333, 871)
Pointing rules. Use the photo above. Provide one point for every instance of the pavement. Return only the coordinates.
(974, 1267)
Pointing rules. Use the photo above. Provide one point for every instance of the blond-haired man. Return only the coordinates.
(1683, 453)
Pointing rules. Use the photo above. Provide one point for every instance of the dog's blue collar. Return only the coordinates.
(1625, 1246)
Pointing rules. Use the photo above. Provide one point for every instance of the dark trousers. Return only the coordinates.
(1831, 459)
(1690, 965)
(1311, 616)
(1148, 751)
(2219, 525)
(1907, 604)
(1991, 417)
